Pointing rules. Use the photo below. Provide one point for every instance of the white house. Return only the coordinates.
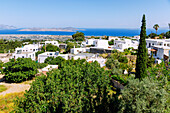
(88, 42)
(160, 52)
(43, 56)
(122, 44)
(79, 50)
(99, 43)
(27, 51)
(157, 42)
(55, 43)
(29, 48)
(24, 55)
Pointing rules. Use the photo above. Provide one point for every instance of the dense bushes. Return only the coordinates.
(145, 96)
(74, 87)
(5, 46)
(51, 48)
(20, 70)
(54, 61)
(41, 65)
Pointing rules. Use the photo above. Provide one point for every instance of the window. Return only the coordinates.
(51, 54)
(164, 44)
(30, 56)
(168, 45)
(33, 49)
(22, 56)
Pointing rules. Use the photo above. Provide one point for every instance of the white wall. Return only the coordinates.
(101, 43)
(55, 43)
(77, 50)
(24, 55)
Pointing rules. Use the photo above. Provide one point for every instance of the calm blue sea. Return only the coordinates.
(87, 32)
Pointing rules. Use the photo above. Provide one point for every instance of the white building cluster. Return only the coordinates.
(159, 48)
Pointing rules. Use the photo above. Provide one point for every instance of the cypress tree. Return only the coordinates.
(142, 53)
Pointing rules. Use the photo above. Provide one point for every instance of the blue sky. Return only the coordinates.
(84, 13)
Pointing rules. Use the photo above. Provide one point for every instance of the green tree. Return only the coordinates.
(78, 36)
(111, 42)
(142, 53)
(20, 70)
(152, 35)
(167, 34)
(51, 48)
(77, 86)
(156, 26)
(69, 46)
(54, 61)
(146, 96)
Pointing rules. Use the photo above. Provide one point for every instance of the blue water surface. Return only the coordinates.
(88, 32)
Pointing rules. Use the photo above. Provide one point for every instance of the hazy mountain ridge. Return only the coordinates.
(68, 29)
(7, 27)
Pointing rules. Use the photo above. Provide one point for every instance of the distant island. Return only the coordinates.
(67, 29)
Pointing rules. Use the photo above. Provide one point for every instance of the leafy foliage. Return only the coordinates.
(152, 35)
(20, 70)
(69, 46)
(167, 34)
(5, 46)
(156, 26)
(77, 86)
(54, 61)
(78, 36)
(111, 42)
(146, 96)
(142, 52)
(41, 65)
(51, 48)
(159, 71)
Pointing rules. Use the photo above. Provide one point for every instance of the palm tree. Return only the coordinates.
(156, 26)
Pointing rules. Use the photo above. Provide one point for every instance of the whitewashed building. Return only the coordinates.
(122, 44)
(157, 42)
(55, 43)
(79, 50)
(160, 52)
(100, 43)
(43, 56)
(29, 48)
(20, 54)
(27, 51)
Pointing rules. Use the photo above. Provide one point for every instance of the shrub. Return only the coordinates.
(77, 86)
(41, 65)
(145, 96)
(20, 70)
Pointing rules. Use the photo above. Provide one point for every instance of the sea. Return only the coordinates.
(88, 32)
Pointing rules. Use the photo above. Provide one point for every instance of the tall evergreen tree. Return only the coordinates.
(142, 53)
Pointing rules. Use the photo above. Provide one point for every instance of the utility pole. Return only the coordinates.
(169, 27)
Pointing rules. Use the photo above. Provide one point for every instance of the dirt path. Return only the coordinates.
(14, 88)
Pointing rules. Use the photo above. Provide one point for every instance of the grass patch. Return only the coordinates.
(2, 88)
(7, 102)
